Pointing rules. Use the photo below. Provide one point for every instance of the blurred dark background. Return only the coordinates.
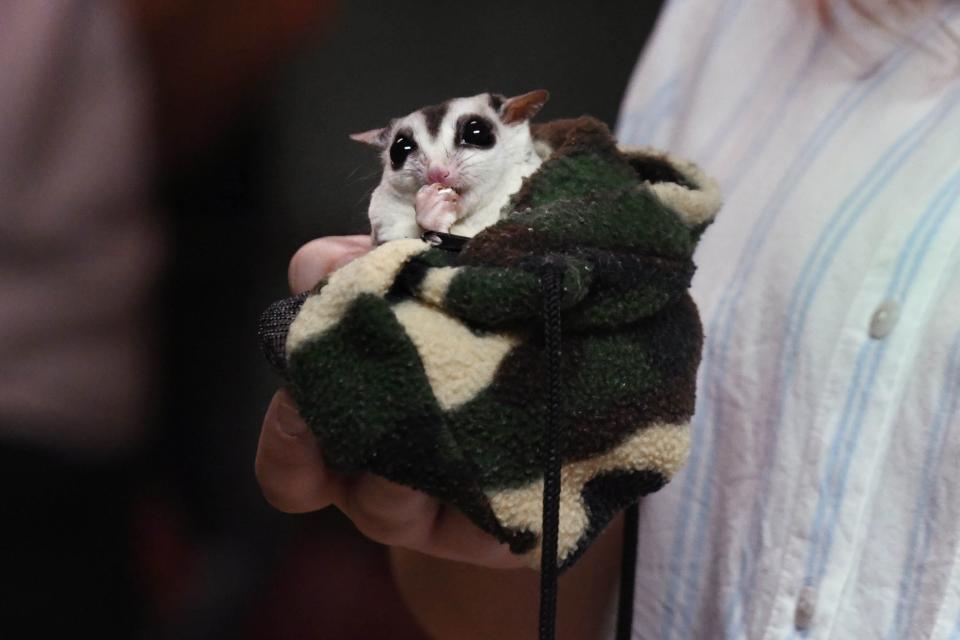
(264, 170)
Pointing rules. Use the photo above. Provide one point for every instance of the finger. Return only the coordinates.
(395, 515)
(289, 465)
(455, 537)
(388, 512)
(314, 260)
(423, 199)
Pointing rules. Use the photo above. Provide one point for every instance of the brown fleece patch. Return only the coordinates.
(569, 137)
(509, 242)
(570, 134)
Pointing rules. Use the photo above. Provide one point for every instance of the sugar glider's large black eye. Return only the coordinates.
(477, 132)
(403, 145)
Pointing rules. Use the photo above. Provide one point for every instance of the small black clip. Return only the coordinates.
(445, 241)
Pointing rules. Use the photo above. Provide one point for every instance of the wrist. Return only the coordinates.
(457, 600)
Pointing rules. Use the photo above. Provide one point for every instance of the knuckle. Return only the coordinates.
(288, 490)
(278, 499)
(386, 514)
(273, 491)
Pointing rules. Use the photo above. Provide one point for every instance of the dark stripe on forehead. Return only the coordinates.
(496, 101)
(434, 116)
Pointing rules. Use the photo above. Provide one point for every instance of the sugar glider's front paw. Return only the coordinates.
(437, 207)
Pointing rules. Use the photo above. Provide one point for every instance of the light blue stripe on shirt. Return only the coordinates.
(719, 333)
(642, 126)
(861, 386)
(756, 595)
(762, 134)
(956, 630)
(926, 512)
(813, 272)
(844, 445)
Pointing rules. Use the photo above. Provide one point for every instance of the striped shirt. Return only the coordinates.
(822, 494)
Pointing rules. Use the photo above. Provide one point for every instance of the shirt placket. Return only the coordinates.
(849, 436)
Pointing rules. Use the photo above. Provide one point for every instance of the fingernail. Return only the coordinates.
(289, 420)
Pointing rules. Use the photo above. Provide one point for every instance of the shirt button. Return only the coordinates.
(806, 605)
(883, 319)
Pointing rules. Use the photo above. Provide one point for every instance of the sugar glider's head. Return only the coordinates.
(467, 144)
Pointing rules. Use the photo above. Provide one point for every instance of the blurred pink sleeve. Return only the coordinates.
(79, 245)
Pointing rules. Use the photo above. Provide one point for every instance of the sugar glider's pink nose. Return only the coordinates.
(437, 174)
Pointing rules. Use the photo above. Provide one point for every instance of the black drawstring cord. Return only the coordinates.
(628, 572)
(552, 283)
(552, 338)
(445, 241)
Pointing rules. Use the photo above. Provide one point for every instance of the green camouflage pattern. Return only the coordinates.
(618, 226)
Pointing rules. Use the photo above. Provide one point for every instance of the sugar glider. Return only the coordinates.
(452, 167)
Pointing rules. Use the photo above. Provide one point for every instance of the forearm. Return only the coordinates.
(463, 601)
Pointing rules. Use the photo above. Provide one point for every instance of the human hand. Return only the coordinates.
(294, 478)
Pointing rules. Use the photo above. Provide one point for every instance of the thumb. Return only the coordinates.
(314, 260)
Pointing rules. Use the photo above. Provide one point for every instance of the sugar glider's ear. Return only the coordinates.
(523, 107)
(373, 137)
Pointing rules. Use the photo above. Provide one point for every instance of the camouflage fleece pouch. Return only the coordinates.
(427, 366)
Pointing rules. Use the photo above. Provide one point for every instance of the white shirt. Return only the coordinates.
(822, 494)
